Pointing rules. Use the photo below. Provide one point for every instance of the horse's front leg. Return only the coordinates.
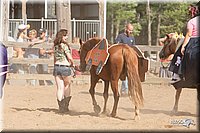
(177, 96)
(94, 81)
(105, 95)
(114, 86)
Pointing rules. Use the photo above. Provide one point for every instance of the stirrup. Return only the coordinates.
(89, 65)
(99, 68)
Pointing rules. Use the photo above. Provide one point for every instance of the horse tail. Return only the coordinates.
(134, 83)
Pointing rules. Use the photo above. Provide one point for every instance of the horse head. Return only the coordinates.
(169, 42)
(85, 48)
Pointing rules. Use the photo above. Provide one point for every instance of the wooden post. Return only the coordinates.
(4, 20)
(63, 13)
(24, 10)
(102, 17)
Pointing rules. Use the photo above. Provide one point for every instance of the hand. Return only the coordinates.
(182, 50)
(77, 68)
(31, 44)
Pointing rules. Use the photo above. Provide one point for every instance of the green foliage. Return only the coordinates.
(122, 13)
(175, 18)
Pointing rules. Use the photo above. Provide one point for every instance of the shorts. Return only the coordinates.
(62, 70)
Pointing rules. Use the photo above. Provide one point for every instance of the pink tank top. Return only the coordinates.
(193, 24)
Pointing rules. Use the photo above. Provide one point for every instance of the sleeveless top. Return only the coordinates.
(60, 53)
(193, 24)
(20, 39)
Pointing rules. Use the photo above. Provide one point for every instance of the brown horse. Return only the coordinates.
(122, 62)
(171, 44)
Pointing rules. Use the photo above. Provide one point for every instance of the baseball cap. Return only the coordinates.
(41, 30)
(23, 26)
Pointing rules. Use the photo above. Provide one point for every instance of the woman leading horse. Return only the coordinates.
(122, 62)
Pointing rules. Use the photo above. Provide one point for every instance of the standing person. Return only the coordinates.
(43, 68)
(32, 53)
(62, 71)
(187, 70)
(21, 35)
(126, 38)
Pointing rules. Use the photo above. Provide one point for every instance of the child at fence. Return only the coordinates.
(44, 54)
(75, 52)
(21, 36)
(32, 53)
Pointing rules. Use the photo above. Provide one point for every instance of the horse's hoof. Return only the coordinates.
(97, 109)
(137, 118)
(106, 113)
(174, 111)
(113, 114)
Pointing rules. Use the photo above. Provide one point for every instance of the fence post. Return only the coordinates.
(74, 27)
(42, 22)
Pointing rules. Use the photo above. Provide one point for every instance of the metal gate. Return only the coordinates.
(83, 29)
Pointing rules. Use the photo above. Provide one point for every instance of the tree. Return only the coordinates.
(118, 14)
(163, 18)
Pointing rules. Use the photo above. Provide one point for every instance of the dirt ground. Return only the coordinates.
(35, 109)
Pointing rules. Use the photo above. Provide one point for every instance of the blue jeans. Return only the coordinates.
(124, 87)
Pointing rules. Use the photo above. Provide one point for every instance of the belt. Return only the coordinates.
(61, 65)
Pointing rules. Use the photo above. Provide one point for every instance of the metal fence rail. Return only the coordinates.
(86, 29)
(83, 29)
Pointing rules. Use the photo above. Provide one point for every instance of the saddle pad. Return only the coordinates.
(99, 53)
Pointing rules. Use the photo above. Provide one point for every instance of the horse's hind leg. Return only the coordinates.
(114, 86)
(105, 95)
(94, 81)
(137, 111)
(177, 96)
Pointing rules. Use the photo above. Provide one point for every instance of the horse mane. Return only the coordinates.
(89, 44)
(171, 43)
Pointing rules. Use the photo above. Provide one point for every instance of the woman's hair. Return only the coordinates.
(194, 9)
(59, 37)
(32, 32)
(19, 32)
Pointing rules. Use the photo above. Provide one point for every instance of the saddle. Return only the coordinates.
(143, 63)
(97, 56)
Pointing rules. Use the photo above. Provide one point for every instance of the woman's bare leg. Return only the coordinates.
(60, 88)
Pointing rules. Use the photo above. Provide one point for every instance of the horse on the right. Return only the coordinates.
(188, 70)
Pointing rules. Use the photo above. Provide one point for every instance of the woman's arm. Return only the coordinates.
(25, 37)
(70, 59)
(186, 40)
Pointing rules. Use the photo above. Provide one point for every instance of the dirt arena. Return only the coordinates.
(35, 108)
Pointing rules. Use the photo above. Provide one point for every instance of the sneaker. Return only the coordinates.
(175, 80)
(124, 93)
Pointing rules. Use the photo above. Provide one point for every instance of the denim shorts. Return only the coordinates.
(62, 70)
